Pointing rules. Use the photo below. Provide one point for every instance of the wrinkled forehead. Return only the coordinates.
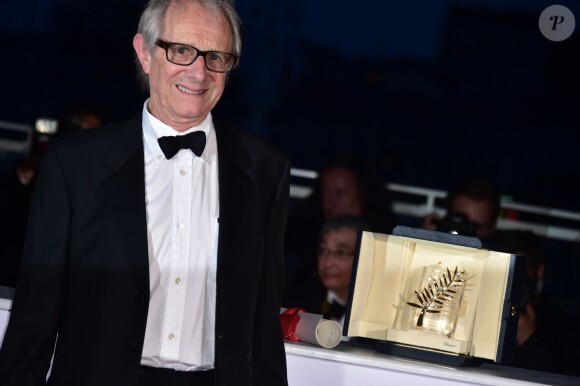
(206, 12)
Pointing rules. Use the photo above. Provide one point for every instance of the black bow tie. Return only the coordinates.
(171, 145)
(336, 311)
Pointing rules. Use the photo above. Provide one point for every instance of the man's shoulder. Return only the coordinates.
(94, 139)
(257, 146)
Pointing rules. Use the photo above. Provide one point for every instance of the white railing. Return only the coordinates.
(428, 205)
(15, 137)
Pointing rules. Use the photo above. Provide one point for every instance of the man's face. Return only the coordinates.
(335, 259)
(182, 96)
(340, 194)
(480, 213)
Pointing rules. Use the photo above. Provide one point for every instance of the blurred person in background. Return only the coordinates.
(16, 191)
(346, 186)
(327, 293)
(473, 208)
(81, 116)
(546, 339)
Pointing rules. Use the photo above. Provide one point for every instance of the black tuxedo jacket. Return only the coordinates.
(85, 268)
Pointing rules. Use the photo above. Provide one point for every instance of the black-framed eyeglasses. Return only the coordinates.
(184, 55)
(340, 254)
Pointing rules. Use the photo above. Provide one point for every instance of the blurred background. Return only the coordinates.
(430, 92)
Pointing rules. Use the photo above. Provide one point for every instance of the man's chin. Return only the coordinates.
(329, 283)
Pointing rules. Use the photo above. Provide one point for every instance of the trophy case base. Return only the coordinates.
(433, 356)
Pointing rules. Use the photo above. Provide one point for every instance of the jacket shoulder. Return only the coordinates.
(89, 142)
(258, 147)
(95, 135)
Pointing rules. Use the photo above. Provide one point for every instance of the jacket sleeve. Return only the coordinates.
(32, 329)
(268, 356)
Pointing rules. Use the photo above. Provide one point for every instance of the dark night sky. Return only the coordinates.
(383, 29)
(392, 77)
(394, 29)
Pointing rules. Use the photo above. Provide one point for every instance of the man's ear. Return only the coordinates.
(142, 52)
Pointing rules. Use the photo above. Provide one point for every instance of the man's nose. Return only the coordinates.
(329, 260)
(197, 69)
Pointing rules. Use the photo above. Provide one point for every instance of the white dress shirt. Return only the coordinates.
(182, 196)
(331, 297)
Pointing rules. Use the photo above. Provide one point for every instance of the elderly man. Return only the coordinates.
(155, 246)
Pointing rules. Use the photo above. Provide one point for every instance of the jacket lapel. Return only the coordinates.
(125, 189)
(235, 188)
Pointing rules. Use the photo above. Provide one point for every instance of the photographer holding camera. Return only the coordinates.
(473, 208)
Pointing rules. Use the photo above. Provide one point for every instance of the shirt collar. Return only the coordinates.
(153, 129)
(331, 296)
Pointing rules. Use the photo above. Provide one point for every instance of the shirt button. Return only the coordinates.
(182, 226)
(178, 281)
(182, 172)
(171, 336)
